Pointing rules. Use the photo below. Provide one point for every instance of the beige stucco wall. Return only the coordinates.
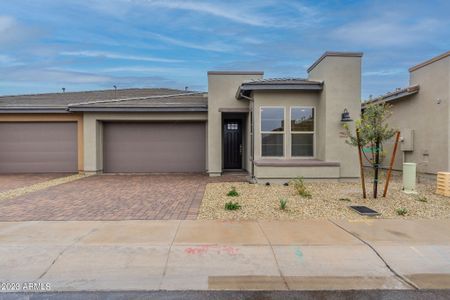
(341, 89)
(222, 89)
(286, 99)
(429, 119)
(93, 131)
(328, 172)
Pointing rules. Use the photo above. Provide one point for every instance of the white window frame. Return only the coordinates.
(272, 132)
(303, 132)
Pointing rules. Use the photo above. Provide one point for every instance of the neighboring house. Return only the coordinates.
(421, 113)
(271, 128)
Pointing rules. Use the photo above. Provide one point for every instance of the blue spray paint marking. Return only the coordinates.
(299, 253)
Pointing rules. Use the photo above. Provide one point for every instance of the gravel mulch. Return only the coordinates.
(329, 200)
(14, 193)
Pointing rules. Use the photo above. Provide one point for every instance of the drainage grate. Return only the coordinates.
(364, 210)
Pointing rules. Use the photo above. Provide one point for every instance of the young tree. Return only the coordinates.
(373, 132)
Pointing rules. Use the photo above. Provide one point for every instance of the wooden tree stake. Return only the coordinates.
(388, 177)
(363, 182)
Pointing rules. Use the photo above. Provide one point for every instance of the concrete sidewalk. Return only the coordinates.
(215, 255)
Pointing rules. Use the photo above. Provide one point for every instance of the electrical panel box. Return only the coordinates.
(407, 139)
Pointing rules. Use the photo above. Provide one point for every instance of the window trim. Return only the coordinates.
(261, 132)
(303, 132)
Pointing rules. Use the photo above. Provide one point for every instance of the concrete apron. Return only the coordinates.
(219, 255)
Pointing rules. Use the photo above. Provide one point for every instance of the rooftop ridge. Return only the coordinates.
(334, 53)
(91, 91)
(409, 89)
(134, 98)
(429, 61)
(279, 80)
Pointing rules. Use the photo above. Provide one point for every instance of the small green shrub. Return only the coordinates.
(300, 187)
(233, 192)
(232, 205)
(422, 199)
(283, 203)
(401, 211)
(345, 199)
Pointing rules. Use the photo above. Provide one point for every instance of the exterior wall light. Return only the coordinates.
(345, 116)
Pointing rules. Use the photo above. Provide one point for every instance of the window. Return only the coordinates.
(272, 131)
(232, 126)
(302, 131)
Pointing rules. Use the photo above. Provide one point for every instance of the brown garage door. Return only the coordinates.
(153, 147)
(38, 147)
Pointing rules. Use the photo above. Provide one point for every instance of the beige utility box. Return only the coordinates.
(407, 139)
(443, 184)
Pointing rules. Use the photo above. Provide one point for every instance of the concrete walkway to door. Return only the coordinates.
(213, 255)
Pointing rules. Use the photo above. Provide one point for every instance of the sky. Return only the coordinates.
(46, 45)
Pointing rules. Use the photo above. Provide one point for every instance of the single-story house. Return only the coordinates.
(271, 128)
(421, 112)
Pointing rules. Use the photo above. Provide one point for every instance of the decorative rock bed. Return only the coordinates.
(329, 200)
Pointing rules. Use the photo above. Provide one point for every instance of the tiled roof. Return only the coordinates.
(295, 84)
(282, 81)
(394, 95)
(121, 98)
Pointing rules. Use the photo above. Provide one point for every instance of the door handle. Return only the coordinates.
(240, 149)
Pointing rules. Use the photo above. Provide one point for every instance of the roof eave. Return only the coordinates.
(11, 110)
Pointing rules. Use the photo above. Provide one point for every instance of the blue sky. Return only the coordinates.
(83, 45)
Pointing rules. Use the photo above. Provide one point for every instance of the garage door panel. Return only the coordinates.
(38, 147)
(154, 147)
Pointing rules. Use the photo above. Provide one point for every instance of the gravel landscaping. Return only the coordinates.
(39, 186)
(329, 200)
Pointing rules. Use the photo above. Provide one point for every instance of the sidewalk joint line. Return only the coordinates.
(77, 240)
(168, 253)
(274, 256)
(398, 275)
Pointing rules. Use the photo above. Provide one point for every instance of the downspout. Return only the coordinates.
(252, 143)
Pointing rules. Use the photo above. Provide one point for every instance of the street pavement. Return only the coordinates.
(317, 255)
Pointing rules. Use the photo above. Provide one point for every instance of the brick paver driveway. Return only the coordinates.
(113, 197)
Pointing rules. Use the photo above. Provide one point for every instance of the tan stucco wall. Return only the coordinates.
(63, 117)
(341, 89)
(93, 131)
(222, 94)
(286, 99)
(429, 120)
(262, 172)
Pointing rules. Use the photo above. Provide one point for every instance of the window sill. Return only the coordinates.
(295, 163)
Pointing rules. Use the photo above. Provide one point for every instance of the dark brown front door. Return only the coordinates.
(232, 144)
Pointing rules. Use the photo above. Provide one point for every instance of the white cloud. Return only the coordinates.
(138, 69)
(71, 78)
(7, 60)
(6, 23)
(384, 72)
(211, 46)
(227, 12)
(385, 31)
(11, 31)
(111, 55)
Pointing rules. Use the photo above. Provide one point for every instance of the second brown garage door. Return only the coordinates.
(153, 147)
